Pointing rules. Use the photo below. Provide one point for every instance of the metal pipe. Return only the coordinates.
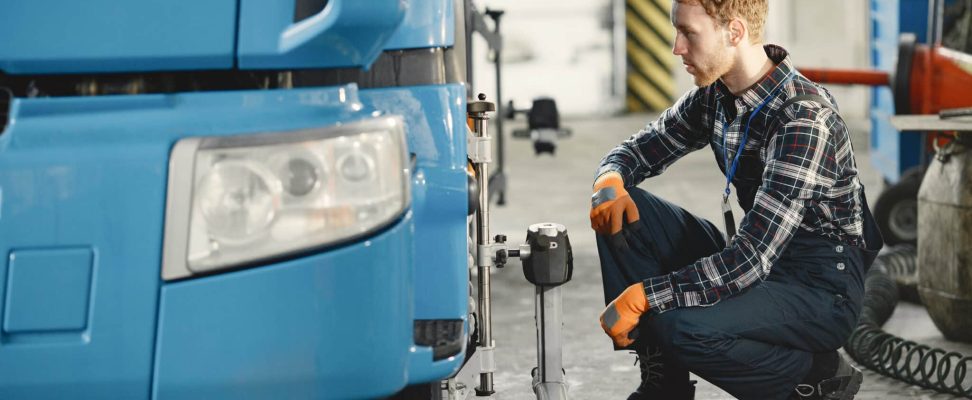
(470, 10)
(480, 127)
(485, 305)
(550, 378)
(497, 48)
(500, 150)
(935, 43)
(620, 53)
(847, 76)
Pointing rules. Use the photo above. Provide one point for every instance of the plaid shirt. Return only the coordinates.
(797, 171)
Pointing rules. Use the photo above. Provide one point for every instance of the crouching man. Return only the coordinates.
(762, 314)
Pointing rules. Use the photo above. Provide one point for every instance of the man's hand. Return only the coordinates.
(621, 317)
(610, 203)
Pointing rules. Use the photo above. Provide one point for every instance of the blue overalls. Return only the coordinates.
(758, 344)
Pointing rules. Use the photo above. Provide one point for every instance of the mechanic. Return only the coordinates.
(759, 313)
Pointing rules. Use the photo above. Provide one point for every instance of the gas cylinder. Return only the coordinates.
(945, 239)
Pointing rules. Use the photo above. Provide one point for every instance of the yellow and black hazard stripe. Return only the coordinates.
(651, 86)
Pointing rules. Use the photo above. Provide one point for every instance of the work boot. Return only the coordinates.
(843, 385)
(660, 382)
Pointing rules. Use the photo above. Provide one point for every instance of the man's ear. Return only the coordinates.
(737, 31)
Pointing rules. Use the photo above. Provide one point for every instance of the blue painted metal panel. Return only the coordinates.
(111, 36)
(91, 172)
(436, 131)
(107, 36)
(83, 124)
(434, 120)
(892, 152)
(427, 24)
(47, 290)
(347, 33)
(104, 197)
(914, 18)
(336, 325)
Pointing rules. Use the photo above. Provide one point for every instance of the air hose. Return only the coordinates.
(901, 264)
(905, 360)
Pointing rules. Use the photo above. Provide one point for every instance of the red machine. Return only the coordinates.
(928, 79)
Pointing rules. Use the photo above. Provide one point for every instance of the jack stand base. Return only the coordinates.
(464, 385)
(548, 390)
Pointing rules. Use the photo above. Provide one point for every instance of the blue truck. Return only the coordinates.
(232, 198)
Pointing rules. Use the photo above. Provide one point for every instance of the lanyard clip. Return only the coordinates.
(730, 222)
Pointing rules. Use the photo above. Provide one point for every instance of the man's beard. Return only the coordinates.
(713, 70)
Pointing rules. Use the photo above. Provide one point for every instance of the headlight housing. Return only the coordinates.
(238, 200)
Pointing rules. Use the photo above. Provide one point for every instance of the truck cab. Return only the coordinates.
(232, 198)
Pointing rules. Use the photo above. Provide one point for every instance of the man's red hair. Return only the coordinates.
(723, 11)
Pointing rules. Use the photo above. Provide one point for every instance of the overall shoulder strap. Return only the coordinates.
(802, 97)
(807, 97)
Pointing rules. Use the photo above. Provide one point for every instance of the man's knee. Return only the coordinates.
(644, 198)
(688, 339)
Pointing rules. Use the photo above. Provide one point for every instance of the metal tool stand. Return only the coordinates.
(543, 124)
(498, 179)
(476, 22)
(549, 380)
(480, 153)
(548, 265)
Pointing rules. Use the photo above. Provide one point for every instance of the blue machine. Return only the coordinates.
(893, 153)
(231, 198)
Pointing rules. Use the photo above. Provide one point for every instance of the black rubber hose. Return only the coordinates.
(901, 264)
(880, 296)
(917, 364)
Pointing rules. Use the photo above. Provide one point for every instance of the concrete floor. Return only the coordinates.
(557, 189)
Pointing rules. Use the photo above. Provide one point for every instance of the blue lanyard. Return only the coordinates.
(731, 169)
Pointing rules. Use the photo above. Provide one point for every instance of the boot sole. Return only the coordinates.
(852, 387)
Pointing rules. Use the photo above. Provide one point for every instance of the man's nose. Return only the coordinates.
(678, 47)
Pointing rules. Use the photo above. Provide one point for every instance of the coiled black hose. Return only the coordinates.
(914, 363)
(901, 265)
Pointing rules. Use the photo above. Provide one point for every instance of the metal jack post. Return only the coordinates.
(479, 149)
(548, 264)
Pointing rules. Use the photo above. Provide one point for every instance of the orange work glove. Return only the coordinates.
(610, 203)
(621, 317)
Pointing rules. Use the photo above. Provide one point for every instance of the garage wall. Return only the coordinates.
(826, 33)
(561, 49)
(564, 49)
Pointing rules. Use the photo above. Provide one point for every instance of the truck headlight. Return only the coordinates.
(238, 200)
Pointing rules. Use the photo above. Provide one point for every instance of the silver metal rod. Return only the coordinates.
(549, 336)
(936, 11)
(485, 304)
(480, 128)
(550, 382)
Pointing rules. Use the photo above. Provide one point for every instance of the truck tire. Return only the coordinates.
(896, 209)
